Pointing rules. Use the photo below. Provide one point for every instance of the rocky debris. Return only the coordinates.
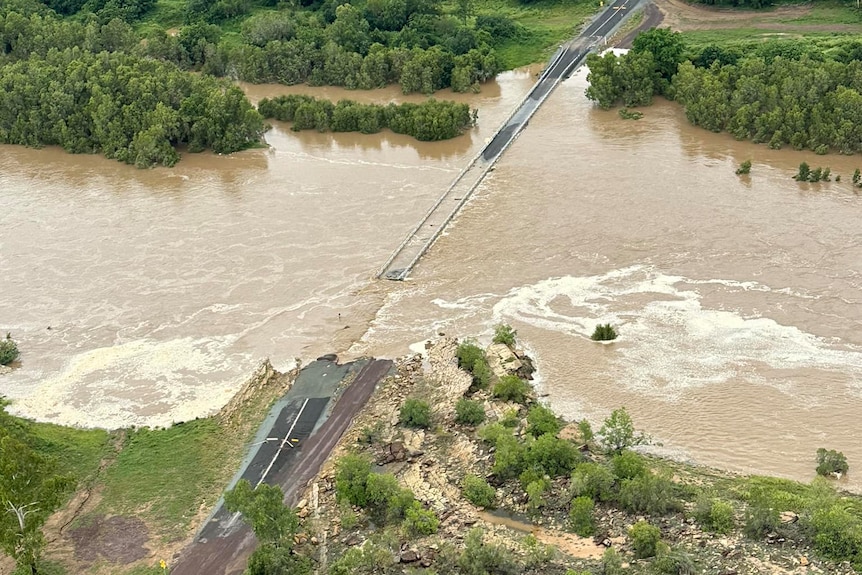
(394, 452)
(264, 377)
(803, 561)
(4, 369)
(502, 360)
(447, 381)
(409, 556)
(789, 517)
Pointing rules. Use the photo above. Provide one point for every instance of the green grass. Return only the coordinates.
(166, 475)
(742, 36)
(825, 12)
(78, 451)
(546, 23)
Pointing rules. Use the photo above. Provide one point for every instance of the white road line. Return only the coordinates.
(283, 441)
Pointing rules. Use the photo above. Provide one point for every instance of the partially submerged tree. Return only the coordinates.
(831, 462)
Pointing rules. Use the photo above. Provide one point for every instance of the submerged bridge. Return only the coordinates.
(567, 58)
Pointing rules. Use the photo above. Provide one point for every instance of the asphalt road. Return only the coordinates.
(574, 52)
(290, 455)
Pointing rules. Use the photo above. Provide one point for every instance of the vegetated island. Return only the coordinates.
(112, 76)
(453, 467)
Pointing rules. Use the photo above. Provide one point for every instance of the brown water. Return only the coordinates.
(163, 288)
(737, 299)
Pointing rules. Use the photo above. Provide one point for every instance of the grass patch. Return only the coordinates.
(749, 36)
(78, 452)
(546, 24)
(825, 12)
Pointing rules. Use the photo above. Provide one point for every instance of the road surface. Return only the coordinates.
(565, 60)
(289, 455)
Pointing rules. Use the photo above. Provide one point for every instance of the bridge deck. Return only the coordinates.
(561, 65)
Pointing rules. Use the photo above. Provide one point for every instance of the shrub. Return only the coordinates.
(552, 455)
(612, 562)
(541, 420)
(510, 419)
(509, 457)
(628, 465)
(831, 462)
(714, 515)
(511, 388)
(492, 432)
(593, 480)
(370, 558)
(837, 533)
(586, 430)
(8, 350)
(651, 494)
(415, 413)
(386, 499)
(469, 412)
(604, 332)
(477, 491)
(759, 521)
(644, 539)
(804, 173)
(674, 562)
(537, 554)
(351, 479)
(744, 168)
(581, 516)
(618, 432)
(505, 334)
(480, 558)
(536, 493)
(472, 358)
(420, 521)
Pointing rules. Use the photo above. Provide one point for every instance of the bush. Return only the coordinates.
(586, 430)
(387, 501)
(830, 462)
(472, 358)
(477, 491)
(415, 413)
(351, 479)
(420, 521)
(593, 480)
(744, 168)
(604, 332)
(492, 432)
(469, 412)
(552, 456)
(714, 515)
(651, 494)
(511, 388)
(618, 432)
(536, 490)
(612, 562)
(581, 516)
(8, 350)
(759, 521)
(837, 533)
(541, 420)
(644, 539)
(509, 457)
(510, 419)
(628, 465)
(673, 562)
(480, 558)
(505, 334)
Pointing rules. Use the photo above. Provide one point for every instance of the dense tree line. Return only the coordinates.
(430, 120)
(778, 94)
(131, 109)
(381, 43)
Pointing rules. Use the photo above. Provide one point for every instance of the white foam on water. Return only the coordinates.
(670, 342)
(142, 382)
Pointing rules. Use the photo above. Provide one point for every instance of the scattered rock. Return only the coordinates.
(789, 517)
(503, 360)
(803, 561)
(409, 556)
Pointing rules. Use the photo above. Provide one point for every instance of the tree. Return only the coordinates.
(504, 334)
(30, 490)
(831, 462)
(668, 52)
(512, 388)
(603, 87)
(469, 412)
(415, 413)
(744, 168)
(618, 432)
(8, 350)
(541, 420)
(264, 510)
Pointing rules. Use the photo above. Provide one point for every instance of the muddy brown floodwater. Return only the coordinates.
(145, 297)
(737, 298)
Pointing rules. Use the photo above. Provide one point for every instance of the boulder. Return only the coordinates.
(409, 556)
(503, 360)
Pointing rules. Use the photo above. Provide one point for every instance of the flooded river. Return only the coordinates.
(737, 298)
